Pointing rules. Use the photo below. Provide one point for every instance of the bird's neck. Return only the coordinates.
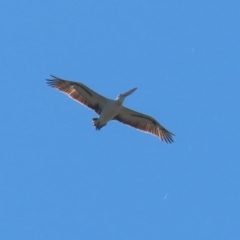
(120, 100)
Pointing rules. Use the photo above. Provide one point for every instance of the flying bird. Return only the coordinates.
(108, 109)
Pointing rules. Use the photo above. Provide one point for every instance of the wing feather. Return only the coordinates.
(144, 123)
(79, 92)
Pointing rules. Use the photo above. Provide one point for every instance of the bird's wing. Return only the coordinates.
(79, 92)
(144, 123)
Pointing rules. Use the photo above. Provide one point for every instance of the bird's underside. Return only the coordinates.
(84, 95)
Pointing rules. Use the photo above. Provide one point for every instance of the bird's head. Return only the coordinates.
(122, 96)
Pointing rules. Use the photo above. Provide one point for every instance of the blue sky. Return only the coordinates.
(61, 179)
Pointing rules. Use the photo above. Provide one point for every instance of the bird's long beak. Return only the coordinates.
(129, 92)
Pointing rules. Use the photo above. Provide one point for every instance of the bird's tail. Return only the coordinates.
(96, 124)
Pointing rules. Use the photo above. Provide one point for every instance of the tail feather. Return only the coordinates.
(96, 124)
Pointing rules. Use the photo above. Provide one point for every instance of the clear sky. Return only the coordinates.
(62, 179)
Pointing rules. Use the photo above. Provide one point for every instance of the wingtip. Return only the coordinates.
(50, 81)
(53, 76)
(167, 137)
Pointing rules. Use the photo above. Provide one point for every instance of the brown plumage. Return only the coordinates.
(79, 92)
(144, 123)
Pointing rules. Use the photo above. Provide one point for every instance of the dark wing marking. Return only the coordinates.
(79, 92)
(144, 123)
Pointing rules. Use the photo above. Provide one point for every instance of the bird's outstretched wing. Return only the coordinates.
(79, 92)
(144, 123)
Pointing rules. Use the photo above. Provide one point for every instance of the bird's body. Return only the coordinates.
(110, 109)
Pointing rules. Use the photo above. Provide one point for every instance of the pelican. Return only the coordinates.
(108, 109)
